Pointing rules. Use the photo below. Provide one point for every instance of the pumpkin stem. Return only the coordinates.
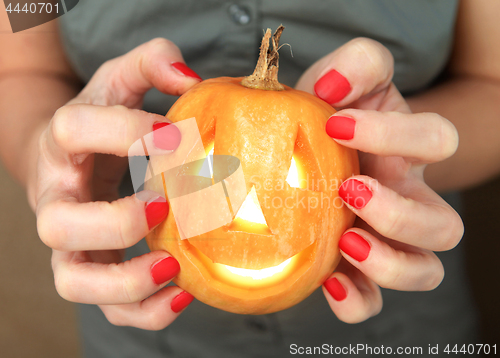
(265, 75)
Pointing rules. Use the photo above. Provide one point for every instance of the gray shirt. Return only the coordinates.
(220, 38)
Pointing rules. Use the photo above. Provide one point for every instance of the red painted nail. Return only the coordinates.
(165, 136)
(181, 301)
(339, 127)
(185, 70)
(156, 211)
(332, 87)
(164, 270)
(335, 288)
(355, 246)
(355, 193)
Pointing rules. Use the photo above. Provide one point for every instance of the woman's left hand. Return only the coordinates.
(401, 221)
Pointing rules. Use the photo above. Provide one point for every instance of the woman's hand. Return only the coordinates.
(401, 220)
(82, 157)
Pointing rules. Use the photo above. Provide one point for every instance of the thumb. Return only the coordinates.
(125, 79)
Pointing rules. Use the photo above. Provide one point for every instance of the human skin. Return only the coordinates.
(34, 70)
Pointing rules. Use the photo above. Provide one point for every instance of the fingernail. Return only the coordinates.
(335, 288)
(332, 87)
(181, 301)
(164, 270)
(185, 70)
(339, 127)
(165, 136)
(355, 246)
(156, 211)
(355, 193)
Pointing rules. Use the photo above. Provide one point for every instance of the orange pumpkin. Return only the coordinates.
(277, 257)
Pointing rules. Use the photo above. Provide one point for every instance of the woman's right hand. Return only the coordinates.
(82, 156)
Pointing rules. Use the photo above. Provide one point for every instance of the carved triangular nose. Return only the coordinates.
(250, 210)
(250, 217)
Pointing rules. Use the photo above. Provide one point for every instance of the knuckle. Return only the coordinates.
(110, 65)
(396, 221)
(43, 225)
(63, 286)
(377, 55)
(155, 53)
(120, 109)
(156, 322)
(160, 44)
(62, 127)
(121, 233)
(42, 144)
(383, 137)
(106, 68)
(431, 274)
(448, 136)
(129, 123)
(122, 120)
(435, 278)
(113, 317)
(442, 136)
(360, 315)
(103, 86)
(59, 126)
(50, 233)
(377, 305)
(453, 230)
(129, 286)
(391, 274)
(125, 229)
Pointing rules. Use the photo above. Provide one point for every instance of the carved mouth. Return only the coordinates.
(254, 279)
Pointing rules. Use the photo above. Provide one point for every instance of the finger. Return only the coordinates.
(355, 69)
(78, 279)
(154, 313)
(412, 269)
(67, 225)
(124, 80)
(352, 296)
(427, 221)
(77, 130)
(423, 137)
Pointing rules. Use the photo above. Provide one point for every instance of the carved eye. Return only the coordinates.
(296, 177)
(293, 175)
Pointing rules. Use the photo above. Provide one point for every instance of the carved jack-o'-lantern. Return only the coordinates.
(283, 240)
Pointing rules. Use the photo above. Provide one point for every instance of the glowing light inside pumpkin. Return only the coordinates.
(250, 209)
(259, 274)
(247, 278)
(293, 175)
